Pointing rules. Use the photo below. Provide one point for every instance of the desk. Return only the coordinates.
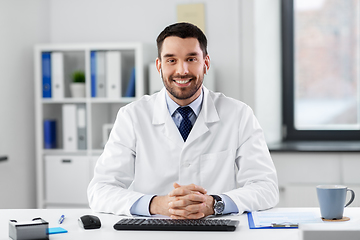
(107, 232)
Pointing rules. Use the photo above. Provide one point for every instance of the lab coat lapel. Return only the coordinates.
(208, 114)
(162, 117)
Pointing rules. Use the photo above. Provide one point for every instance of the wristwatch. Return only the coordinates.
(219, 205)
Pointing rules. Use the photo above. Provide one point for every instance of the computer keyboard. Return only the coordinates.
(156, 224)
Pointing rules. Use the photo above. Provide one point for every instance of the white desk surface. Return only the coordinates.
(108, 220)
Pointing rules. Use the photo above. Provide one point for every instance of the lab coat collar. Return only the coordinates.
(208, 109)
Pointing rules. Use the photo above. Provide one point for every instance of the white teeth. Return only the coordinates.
(182, 82)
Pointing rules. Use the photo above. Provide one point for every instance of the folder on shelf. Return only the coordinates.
(81, 126)
(49, 133)
(57, 75)
(46, 74)
(130, 91)
(100, 74)
(113, 74)
(69, 127)
(93, 73)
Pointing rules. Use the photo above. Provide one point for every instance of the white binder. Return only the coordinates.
(69, 127)
(113, 74)
(81, 126)
(156, 83)
(57, 75)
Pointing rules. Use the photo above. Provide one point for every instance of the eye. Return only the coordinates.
(170, 60)
(191, 59)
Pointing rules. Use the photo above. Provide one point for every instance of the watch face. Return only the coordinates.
(219, 207)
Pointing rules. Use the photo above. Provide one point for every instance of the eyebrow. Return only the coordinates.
(192, 54)
(168, 55)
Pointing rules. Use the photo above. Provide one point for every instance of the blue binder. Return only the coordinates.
(46, 74)
(93, 73)
(130, 91)
(49, 133)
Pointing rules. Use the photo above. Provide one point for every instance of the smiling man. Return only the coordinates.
(185, 152)
(183, 63)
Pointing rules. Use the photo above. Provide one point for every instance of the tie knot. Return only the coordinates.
(185, 111)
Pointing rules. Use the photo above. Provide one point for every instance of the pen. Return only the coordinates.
(61, 219)
(284, 225)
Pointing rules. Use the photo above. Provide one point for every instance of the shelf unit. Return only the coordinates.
(63, 175)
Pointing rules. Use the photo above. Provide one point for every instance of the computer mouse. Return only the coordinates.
(89, 222)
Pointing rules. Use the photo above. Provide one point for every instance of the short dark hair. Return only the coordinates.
(182, 30)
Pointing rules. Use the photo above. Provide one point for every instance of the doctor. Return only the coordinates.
(185, 152)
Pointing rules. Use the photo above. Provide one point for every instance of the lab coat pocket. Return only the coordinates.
(217, 171)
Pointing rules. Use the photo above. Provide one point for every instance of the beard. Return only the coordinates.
(185, 92)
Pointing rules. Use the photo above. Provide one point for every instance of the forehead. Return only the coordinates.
(180, 46)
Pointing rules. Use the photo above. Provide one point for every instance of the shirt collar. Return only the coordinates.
(195, 105)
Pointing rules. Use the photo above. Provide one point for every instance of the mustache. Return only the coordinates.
(182, 76)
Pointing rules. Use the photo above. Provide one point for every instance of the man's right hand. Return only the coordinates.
(160, 205)
(190, 201)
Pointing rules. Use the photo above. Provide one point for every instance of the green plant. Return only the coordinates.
(78, 77)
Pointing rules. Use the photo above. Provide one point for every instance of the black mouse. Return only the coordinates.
(89, 222)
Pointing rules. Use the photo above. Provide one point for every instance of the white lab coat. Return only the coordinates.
(225, 153)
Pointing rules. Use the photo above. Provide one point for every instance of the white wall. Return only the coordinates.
(268, 68)
(261, 63)
(22, 24)
(143, 20)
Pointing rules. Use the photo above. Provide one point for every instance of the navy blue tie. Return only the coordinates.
(185, 125)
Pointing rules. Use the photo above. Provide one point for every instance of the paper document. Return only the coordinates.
(265, 219)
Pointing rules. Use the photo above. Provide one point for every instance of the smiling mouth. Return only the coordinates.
(183, 81)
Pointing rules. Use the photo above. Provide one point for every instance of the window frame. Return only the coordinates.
(290, 133)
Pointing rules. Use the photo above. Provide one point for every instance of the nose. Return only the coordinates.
(182, 68)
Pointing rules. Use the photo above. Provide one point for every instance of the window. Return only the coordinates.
(321, 71)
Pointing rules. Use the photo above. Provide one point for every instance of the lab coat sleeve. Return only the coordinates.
(256, 178)
(114, 171)
(142, 205)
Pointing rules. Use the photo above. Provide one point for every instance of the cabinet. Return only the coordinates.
(300, 172)
(63, 171)
(67, 178)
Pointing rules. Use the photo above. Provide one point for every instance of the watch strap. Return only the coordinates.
(217, 198)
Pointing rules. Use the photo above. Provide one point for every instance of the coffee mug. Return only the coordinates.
(332, 200)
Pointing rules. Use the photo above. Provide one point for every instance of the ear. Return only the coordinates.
(207, 64)
(158, 64)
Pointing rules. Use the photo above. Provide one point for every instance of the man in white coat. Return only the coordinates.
(185, 152)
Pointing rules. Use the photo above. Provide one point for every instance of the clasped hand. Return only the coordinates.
(184, 202)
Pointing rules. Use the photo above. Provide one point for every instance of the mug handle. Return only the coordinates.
(352, 197)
